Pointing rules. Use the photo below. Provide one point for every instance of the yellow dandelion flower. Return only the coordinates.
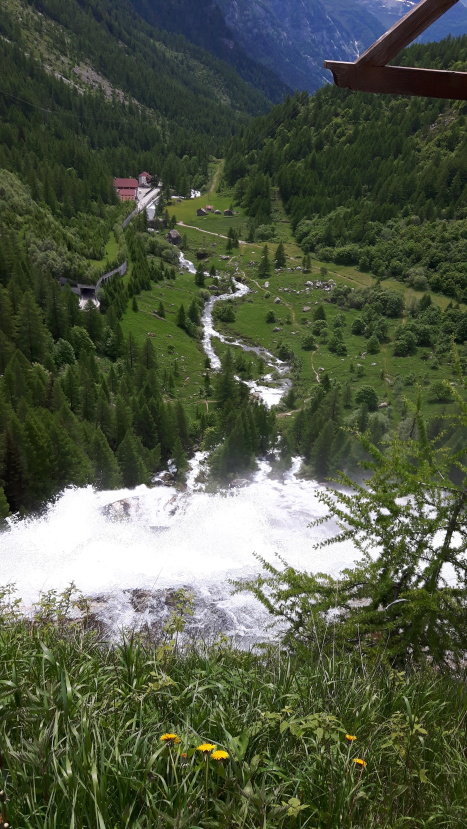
(220, 755)
(359, 762)
(350, 738)
(205, 747)
(170, 739)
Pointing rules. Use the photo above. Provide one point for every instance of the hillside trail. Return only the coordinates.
(313, 366)
(212, 233)
(215, 178)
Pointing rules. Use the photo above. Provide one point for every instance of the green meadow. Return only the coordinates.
(175, 348)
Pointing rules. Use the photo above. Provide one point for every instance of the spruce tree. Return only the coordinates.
(4, 507)
(264, 267)
(181, 317)
(199, 276)
(132, 466)
(180, 459)
(279, 256)
(106, 469)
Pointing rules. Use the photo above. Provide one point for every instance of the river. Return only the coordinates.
(128, 555)
(128, 550)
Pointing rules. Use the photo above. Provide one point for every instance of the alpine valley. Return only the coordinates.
(233, 421)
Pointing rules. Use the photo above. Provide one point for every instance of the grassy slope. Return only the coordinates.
(81, 723)
(170, 341)
(251, 312)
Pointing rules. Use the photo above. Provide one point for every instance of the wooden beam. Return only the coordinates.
(404, 32)
(399, 80)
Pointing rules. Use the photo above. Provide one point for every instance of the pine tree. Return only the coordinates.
(226, 385)
(181, 317)
(180, 459)
(4, 508)
(322, 451)
(31, 334)
(199, 276)
(280, 260)
(182, 426)
(264, 267)
(132, 466)
(106, 469)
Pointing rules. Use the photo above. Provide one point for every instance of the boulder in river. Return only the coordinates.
(120, 509)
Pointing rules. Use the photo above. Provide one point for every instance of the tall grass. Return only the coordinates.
(81, 722)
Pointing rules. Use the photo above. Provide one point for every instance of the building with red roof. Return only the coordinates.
(126, 188)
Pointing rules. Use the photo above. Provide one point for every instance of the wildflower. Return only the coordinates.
(170, 739)
(220, 755)
(359, 762)
(350, 738)
(205, 747)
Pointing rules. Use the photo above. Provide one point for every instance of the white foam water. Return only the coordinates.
(130, 560)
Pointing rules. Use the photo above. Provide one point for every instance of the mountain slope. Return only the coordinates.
(294, 36)
(204, 24)
(378, 181)
(89, 92)
(453, 22)
(107, 46)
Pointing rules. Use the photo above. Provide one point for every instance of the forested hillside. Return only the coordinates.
(203, 23)
(377, 181)
(87, 395)
(89, 92)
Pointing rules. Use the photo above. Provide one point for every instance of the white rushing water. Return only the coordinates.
(159, 538)
(129, 550)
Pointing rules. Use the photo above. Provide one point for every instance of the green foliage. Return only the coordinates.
(396, 208)
(89, 749)
(264, 266)
(206, 27)
(280, 260)
(406, 598)
(367, 395)
(248, 428)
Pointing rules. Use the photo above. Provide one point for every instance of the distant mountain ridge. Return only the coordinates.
(293, 37)
(453, 22)
(278, 45)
